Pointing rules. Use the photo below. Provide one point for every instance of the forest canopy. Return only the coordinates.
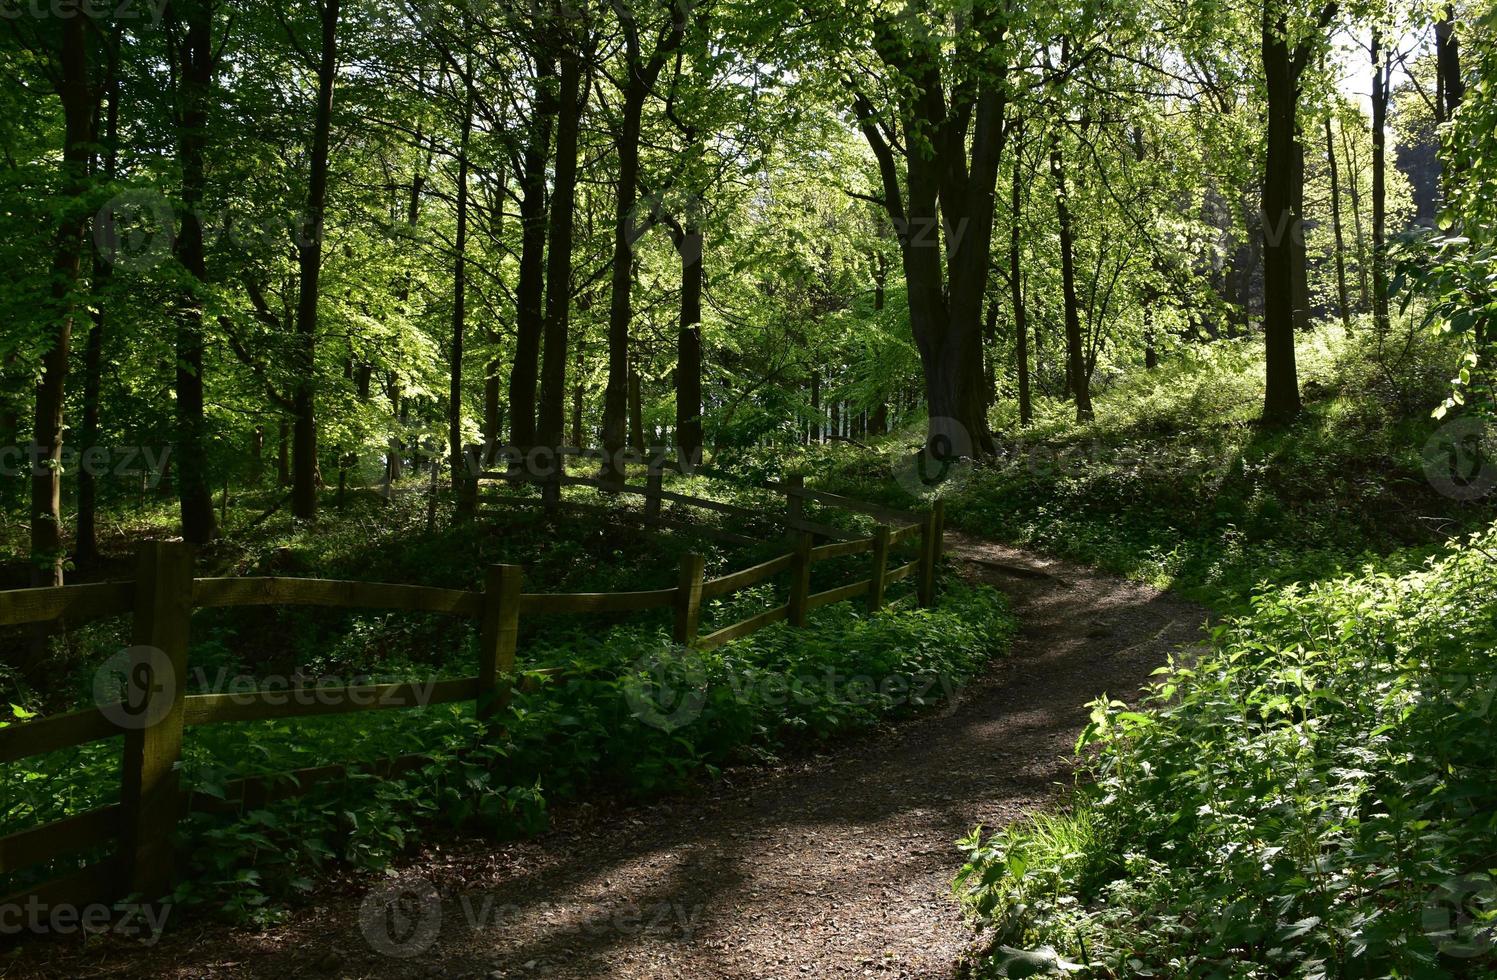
(341, 241)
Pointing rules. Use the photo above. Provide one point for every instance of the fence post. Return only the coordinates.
(800, 580)
(930, 553)
(689, 600)
(152, 716)
(652, 498)
(880, 567)
(498, 637)
(795, 506)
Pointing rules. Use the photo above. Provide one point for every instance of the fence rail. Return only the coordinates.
(164, 594)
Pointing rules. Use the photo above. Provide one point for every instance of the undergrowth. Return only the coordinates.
(636, 716)
(1313, 797)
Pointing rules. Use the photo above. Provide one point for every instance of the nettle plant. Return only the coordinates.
(1313, 797)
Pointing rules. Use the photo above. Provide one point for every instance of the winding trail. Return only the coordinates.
(838, 866)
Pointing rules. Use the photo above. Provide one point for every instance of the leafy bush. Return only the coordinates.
(636, 716)
(1313, 797)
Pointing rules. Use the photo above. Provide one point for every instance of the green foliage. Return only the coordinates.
(1310, 797)
(1176, 484)
(612, 727)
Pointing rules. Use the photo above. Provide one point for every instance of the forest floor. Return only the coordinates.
(836, 865)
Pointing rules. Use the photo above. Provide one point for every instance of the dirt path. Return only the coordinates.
(840, 866)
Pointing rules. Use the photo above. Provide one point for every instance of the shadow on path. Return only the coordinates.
(838, 866)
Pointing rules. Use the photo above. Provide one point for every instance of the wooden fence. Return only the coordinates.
(164, 594)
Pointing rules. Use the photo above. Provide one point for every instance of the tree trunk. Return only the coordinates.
(636, 412)
(491, 423)
(459, 295)
(309, 260)
(1380, 82)
(1281, 397)
(194, 95)
(1016, 288)
(559, 259)
(1448, 62)
(620, 311)
(639, 80)
(530, 290)
(689, 349)
(577, 396)
(67, 254)
(1078, 376)
(1343, 296)
(990, 356)
(1301, 262)
(1354, 189)
(283, 455)
(87, 545)
(816, 426)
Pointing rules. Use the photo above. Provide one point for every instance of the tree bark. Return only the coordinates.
(1016, 288)
(47, 552)
(689, 348)
(309, 260)
(559, 259)
(1078, 376)
(460, 295)
(1354, 190)
(195, 70)
(640, 79)
(1343, 295)
(530, 290)
(1280, 224)
(942, 212)
(1381, 69)
(1448, 62)
(87, 544)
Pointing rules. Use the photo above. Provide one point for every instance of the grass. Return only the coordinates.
(1177, 485)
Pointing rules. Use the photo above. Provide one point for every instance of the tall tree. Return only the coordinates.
(942, 125)
(1343, 296)
(87, 544)
(1078, 371)
(573, 34)
(640, 71)
(69, 72)
(1016, 286)
(1290, 42)
(189, 32)
(460, 281)
(1382, 78)
(304, 473)
(530, 290)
